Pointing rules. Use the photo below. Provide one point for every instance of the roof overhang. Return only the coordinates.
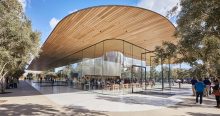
(89, 26)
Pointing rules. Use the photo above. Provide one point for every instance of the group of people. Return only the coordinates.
(202, 88)
(12, 82)
(99, 83)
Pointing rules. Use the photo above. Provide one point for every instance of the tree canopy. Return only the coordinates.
(198, 33)
(18, 42)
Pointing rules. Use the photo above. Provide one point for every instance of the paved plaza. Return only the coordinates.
(32, 99)
(96, 101)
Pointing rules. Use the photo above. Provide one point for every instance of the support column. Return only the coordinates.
(169, 74)
(132, 89)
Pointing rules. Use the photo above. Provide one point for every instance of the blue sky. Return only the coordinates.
(45, 14)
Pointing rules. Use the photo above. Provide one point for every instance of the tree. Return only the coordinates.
(18, 43)
(198, 30)
(165, 52)
(68, 71)
(179, 73)
(154, 74)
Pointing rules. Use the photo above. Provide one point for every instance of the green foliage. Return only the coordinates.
(198, 30)
(198, 71)
(153, 72)
(18, 43)
(178, 73)
(166, 51)
(68, 71)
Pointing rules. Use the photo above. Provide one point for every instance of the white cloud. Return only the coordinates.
(159, 6)
(72, 11)
(53, 22)
(23, 3)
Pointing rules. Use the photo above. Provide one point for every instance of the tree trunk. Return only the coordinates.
(2, 87)
(2, 77)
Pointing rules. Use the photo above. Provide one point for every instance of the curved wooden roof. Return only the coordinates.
(88, 26)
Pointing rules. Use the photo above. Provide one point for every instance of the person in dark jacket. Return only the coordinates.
(216, 88)
(193, 82)
(207, 89)
(199, 86)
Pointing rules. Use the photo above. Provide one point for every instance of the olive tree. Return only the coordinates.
(18, 42)
(198, 33)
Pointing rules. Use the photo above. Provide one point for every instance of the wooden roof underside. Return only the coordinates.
(89, 26)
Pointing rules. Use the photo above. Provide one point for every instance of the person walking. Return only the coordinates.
(208, 84)
(216, 92)
(199, 86)
(15, 82)
(193, 82)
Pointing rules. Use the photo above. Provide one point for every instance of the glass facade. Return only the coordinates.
(112, 65)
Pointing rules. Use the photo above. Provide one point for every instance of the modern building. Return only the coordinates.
(106, 47)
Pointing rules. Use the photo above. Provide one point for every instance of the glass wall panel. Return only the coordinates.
(113, 50)
(126, 74)
(137, 51)
(78, 65)
(98, 58)
(166, 74)
(88, 61)
(148, 73)
(152, 74)
(154, 79)
(74, 70)
(98, 66)
(138, 68)
(112, 64)
(159, 80)
(145, 68)
(88, 67)
(127, 60)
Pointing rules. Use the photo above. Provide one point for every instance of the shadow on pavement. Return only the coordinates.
(46, 110)
(190, 102)
(202, 114)
(24, 89)
(138, 100)
(157, 94)
(27, 109)
(81, 111)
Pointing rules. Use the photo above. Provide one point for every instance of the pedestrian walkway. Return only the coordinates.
(26, 100)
